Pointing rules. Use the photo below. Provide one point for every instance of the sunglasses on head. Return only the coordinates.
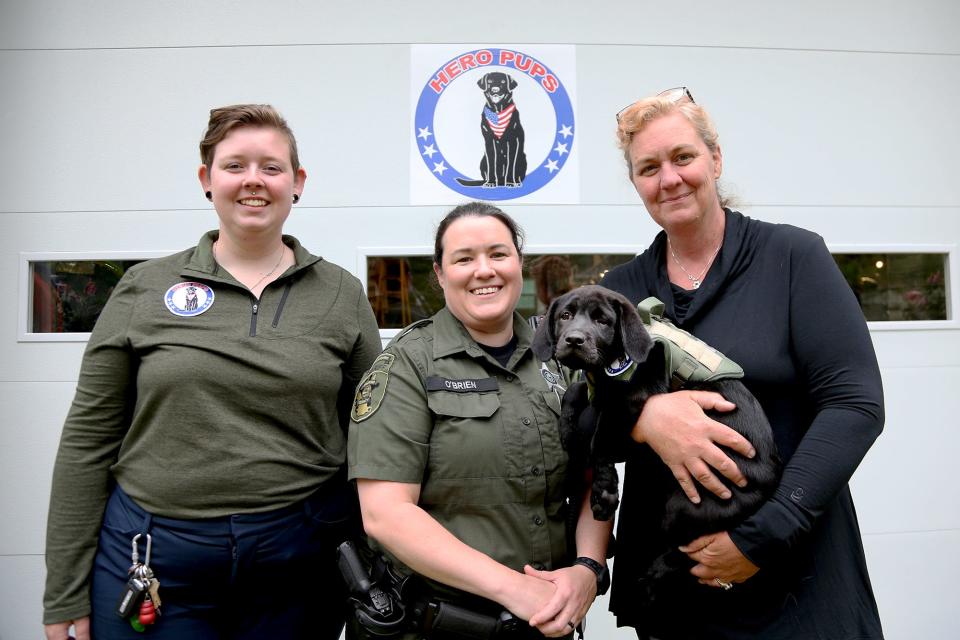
(674, 94)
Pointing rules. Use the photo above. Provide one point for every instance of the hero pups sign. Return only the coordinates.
(448, 153)
(498, 57)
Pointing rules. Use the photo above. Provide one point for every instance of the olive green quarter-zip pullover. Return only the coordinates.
(202, 401)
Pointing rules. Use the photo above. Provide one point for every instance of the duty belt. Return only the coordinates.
(387, 605)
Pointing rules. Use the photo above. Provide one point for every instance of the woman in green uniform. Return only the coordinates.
(455, 447)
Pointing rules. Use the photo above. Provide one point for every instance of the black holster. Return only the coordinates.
(447, 621)
(387, 605)
(375, 592)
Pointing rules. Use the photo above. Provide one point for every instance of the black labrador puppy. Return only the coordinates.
(600, 332)
(504, 161)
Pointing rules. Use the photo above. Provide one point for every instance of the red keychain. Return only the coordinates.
(148, 614)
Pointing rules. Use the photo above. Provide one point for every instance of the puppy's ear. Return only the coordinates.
(513, 83)
(482, 82)
(636, 341)
(545, 339)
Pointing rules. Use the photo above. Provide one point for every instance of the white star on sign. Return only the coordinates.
(429, 151)
(552, 166)
(424, 133)
(566, 131)
(561, 148)
(439, 168)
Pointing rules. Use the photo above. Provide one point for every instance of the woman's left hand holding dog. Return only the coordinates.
(718, 558)
(576, 590)
(677, 428)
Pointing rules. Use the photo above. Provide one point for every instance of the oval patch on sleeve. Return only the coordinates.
(372, 388)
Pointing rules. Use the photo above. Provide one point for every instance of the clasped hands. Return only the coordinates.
(558, 600)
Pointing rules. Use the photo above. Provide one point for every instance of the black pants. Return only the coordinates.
(242, 577)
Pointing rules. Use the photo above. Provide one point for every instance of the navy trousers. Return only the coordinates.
(241, 577)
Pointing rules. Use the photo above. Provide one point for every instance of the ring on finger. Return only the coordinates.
(572, 626)
(722, 583)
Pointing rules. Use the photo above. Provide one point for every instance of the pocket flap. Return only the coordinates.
(463, 405)
(553, 401)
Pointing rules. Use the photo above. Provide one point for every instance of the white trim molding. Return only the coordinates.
(25, 288)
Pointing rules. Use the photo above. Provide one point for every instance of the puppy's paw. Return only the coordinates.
(603, 503)
(605, 494)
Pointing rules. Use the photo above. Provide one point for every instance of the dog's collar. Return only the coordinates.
(617, 367)
(619, 370)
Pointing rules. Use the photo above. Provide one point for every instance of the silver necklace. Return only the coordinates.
(264, 276)
(698, 279)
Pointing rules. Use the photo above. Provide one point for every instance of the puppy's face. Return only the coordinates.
(497, 86)
(586, 330)
(590, 328)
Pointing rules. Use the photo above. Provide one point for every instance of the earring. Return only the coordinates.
(296, 198)
(209, 195)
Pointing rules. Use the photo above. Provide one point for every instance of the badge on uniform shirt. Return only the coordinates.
(553, 380)
(372, 388)
(188, 299)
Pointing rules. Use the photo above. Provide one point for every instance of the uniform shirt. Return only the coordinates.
(776, 303)
(240, 408)
(480, 439)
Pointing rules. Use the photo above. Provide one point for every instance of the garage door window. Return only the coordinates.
(898, 286)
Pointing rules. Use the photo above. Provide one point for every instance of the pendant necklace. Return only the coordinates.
(698, 279)
(267, 274)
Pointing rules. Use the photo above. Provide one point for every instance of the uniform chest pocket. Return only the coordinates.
(467, 440)
(463, 405)
(553, 401)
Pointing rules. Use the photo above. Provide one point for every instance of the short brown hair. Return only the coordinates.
(223, 120)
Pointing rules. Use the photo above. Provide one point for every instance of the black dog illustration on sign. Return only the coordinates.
(504, 164)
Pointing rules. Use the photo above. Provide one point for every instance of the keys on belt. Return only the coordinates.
(140, 599)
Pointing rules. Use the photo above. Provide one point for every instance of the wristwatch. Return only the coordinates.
(603, 575)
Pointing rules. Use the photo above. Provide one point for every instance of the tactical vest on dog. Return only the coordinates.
(686, 357)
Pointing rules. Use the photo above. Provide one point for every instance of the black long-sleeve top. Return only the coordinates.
(776, 303)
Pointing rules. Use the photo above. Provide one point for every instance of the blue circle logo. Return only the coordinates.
(507, 168)
(187, 299)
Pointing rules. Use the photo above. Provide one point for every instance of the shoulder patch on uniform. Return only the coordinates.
(383, 362)
(372, 388)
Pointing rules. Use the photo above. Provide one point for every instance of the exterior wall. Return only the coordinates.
(838, 117)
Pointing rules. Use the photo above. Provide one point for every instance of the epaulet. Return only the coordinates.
(409, 328)
(689, 359)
